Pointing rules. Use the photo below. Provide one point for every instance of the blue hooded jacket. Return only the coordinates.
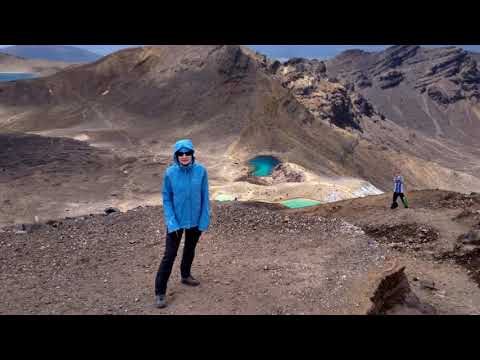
(398, 181)
(185, 193)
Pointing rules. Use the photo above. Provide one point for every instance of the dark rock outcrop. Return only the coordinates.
(422, 67)
(361, 80)
(362, 106)
(394, 296)
(390, 79)
(449, 64)
(284, 173)
(111, 210)
(395, 56)
(444, 95)
(327, 99)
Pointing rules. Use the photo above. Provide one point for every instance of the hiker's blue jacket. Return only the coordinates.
(398, 184)
(185, 193)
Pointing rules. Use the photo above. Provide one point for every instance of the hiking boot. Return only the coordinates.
(190, 281)
(160, 301)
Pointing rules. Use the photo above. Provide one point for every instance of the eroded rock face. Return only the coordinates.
(451, 78)
(326, 98)
(282, 173)
(285, 173)
(390, 79)
(395, 56)
(444, 95)
(362, 106)
(448, 75)
(361, 80)
(449, 64)
(432, 90)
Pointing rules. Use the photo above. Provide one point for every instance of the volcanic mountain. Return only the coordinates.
(433, 90)
(61, 53)
(100, 135)
(234, 104)
(10, 63)
(340, 103)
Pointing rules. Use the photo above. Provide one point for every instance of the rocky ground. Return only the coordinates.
(255, 259)
(100, 135)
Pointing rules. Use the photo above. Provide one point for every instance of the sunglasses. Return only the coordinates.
(181, 153)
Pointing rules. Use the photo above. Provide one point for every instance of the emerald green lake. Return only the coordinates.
(299, 203)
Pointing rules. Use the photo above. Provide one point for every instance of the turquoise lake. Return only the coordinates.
(263, 165)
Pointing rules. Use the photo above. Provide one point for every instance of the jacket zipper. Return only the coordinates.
(191, 204)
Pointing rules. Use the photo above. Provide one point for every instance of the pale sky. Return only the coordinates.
(280, 51)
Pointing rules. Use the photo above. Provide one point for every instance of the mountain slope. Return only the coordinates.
(235, 106)
(435, 91)
(52, 53)
(10, 63)
(342, 106)
(125, 111)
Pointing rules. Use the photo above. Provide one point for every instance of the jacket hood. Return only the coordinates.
(187, 144)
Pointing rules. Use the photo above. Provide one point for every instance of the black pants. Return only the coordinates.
(402, 197)
(171, 248)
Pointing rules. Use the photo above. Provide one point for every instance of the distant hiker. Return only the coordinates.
(398, 191)
(185, 208)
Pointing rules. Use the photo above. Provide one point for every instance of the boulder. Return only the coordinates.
(111, 210)
(393, 295)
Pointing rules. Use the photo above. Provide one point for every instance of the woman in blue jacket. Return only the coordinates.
(186, 209)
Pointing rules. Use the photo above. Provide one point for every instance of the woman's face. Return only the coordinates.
(185, 157)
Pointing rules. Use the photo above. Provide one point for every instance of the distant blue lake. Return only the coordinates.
(263, 165)
(15, 76)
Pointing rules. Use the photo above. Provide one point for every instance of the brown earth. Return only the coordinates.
(255, 259)
(146, 98)
(100, 135)
(54, 177)
(133, 105)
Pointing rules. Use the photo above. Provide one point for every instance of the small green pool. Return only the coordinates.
(225, 197)
(299, 203)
